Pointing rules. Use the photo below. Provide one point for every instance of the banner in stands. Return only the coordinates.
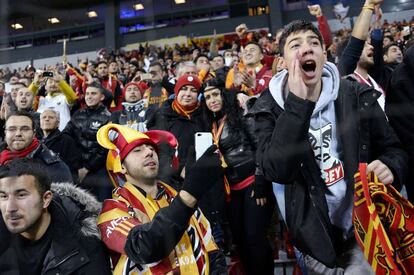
(180, 40)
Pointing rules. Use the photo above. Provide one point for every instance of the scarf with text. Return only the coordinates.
(129, 208)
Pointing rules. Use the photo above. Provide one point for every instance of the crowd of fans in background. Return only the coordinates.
(185, 89)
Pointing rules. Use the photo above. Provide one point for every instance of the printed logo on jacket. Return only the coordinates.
(331, 167)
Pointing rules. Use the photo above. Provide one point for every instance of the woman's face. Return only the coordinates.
(187, 96)
(214, 100)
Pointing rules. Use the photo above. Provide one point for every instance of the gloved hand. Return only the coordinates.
(259, 190)
(202, 174)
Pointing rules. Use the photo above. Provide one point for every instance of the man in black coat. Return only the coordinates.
(21, 142)
(399, 107)
(60, 143)
(44, 231)
(313, 130)
(83, 127)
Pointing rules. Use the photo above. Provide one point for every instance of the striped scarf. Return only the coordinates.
(129, 208)
(184, 111)
(384, 226)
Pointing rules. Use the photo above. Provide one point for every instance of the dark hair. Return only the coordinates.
(230, 108)
(295, 27)
(156, 63)
(255, 43)
(390, 37)
(220, 56)
(200, 55)
(28, 167)
(98, 86)
(387, 48)
(100, 62)
(22, 113)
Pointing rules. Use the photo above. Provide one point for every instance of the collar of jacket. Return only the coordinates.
(52, 135)
(45, 154)
(98, 109)
(66, 252)
(366, 95)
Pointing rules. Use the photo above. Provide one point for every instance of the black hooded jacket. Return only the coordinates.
(286, 157)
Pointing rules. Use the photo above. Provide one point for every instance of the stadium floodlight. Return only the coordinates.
(53, 20)
(92, 14)
(17, 26)
(138, 7)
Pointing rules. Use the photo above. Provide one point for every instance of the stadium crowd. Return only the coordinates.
(100, 171)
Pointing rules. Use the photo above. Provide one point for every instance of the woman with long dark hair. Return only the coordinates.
(250, 204)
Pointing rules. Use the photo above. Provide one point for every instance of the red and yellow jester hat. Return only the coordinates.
(120, 140)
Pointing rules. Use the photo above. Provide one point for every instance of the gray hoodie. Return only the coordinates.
(324, 142)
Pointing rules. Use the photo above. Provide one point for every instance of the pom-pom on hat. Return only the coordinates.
(187, 80)
(120, 140)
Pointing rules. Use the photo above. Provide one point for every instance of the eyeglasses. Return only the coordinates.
(23, 129)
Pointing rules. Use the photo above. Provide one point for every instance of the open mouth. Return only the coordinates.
(309, 68)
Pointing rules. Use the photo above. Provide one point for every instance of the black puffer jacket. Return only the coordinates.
(286, 156)
(82, 128)
(75, 244)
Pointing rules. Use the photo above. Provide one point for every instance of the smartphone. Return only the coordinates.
(47, 74)
(203, 140)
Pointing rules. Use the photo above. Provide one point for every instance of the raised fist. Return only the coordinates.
(315, 10)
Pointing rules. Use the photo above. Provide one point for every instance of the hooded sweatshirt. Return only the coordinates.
(323, 138)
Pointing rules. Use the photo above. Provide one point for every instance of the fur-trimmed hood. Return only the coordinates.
(79, 206)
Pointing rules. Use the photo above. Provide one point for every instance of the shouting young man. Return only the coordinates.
(313, 130)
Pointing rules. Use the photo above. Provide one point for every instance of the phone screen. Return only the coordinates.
(47, 74)
(203, 140)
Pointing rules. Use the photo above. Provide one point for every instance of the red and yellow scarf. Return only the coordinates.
(384, 225)
(129, 208)
(184, 111)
